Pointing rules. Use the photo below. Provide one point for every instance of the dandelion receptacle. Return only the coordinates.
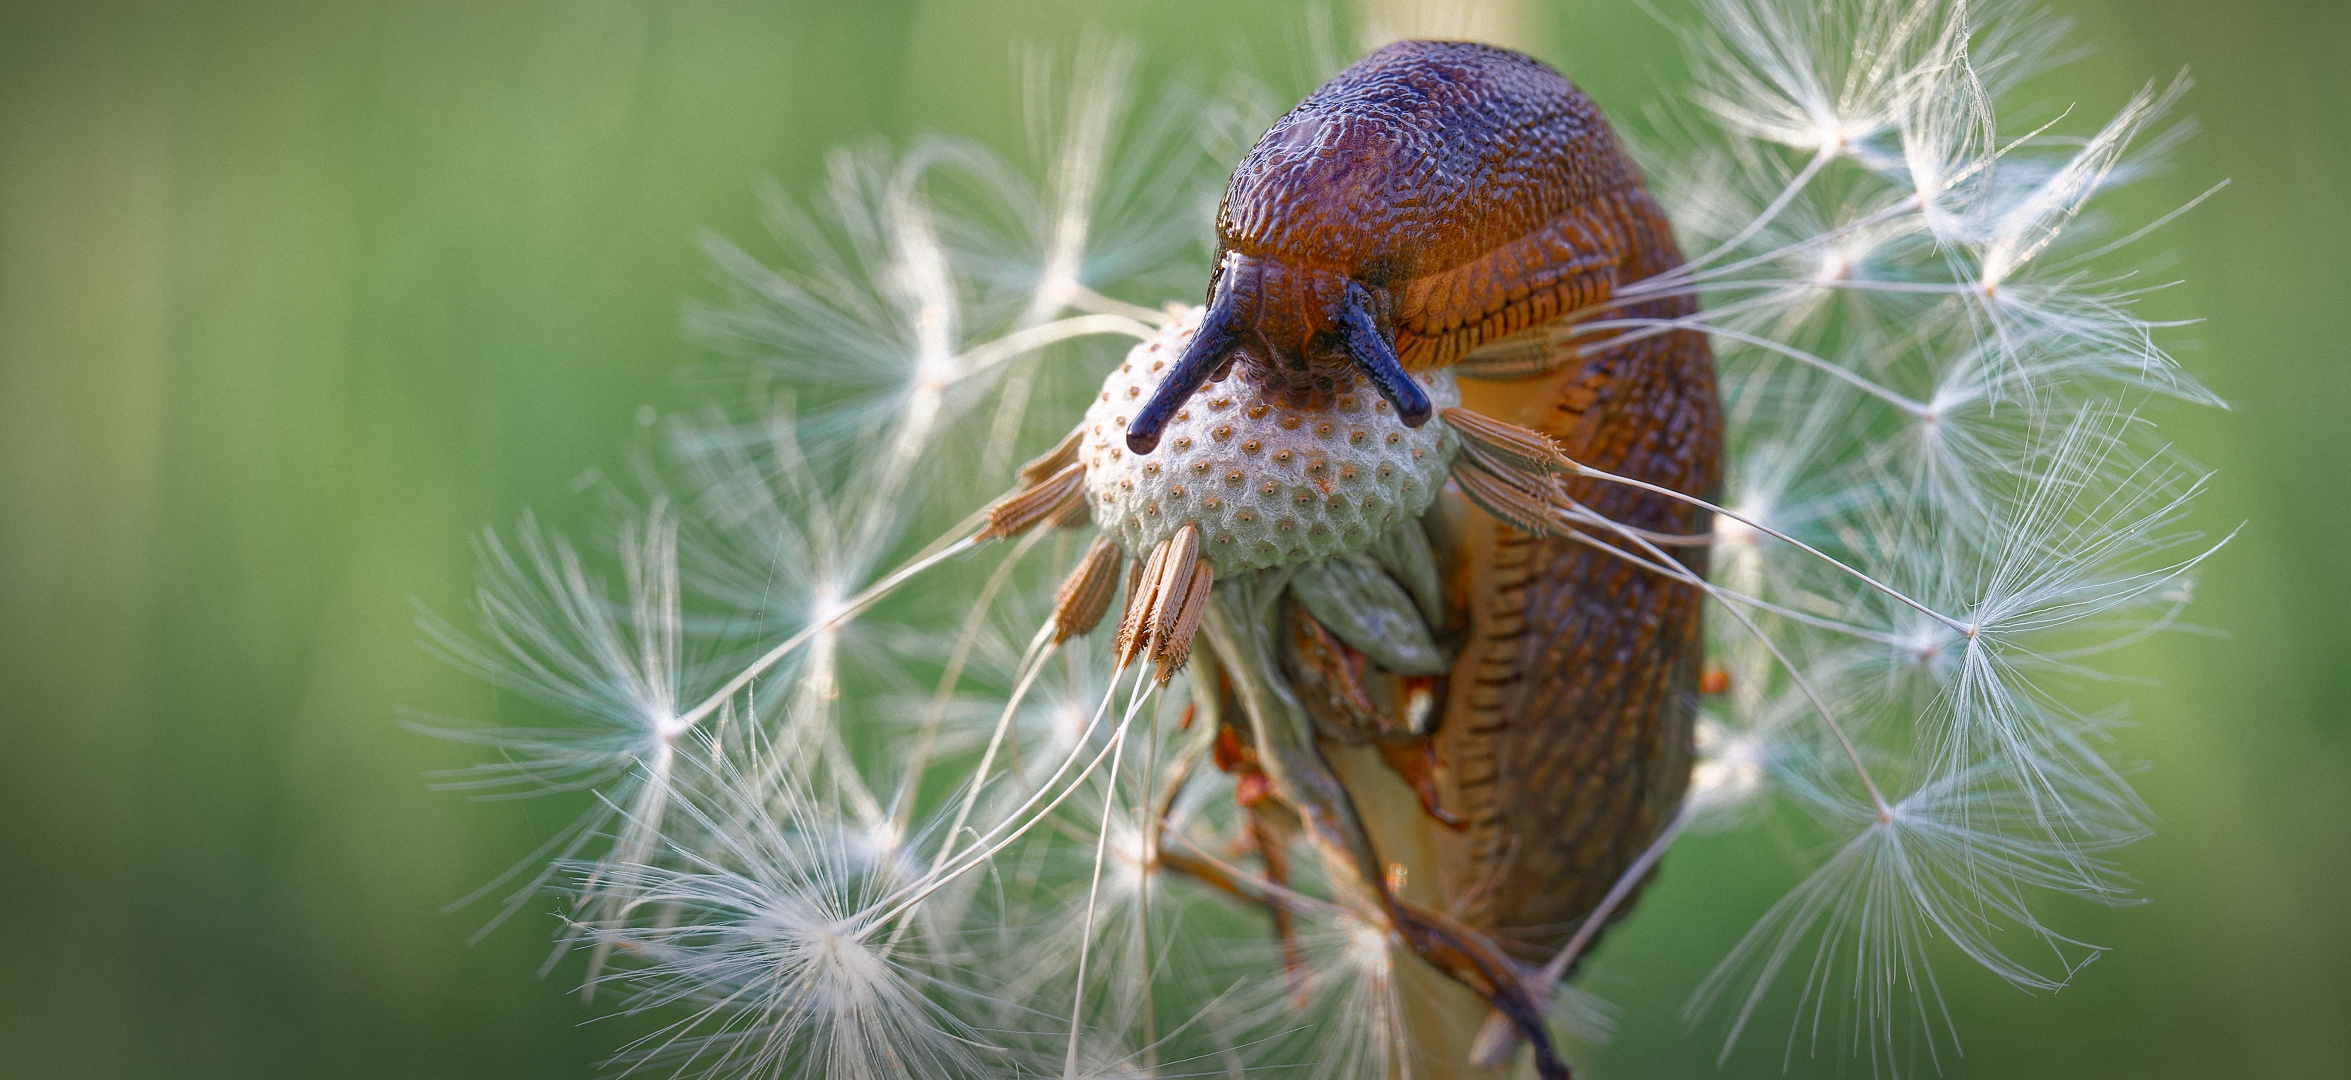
(1336, 674)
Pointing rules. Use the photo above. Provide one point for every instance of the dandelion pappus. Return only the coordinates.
(1428, 551)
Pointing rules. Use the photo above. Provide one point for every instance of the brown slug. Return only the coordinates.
(1432, 199)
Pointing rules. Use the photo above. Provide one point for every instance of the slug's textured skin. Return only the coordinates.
(1472, 190)
(1473, 193)
(1567, 737)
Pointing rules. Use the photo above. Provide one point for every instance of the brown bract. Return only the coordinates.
(1164, 604)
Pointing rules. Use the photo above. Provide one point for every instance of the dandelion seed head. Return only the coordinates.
(1735, 532)
(764, 952)
(880, 844)
(1837, 263)
(1367, 946)
(1310, 481)
(826, 604)
(935, 371)
(1927, 646)
(1731, 769)
(840, 834)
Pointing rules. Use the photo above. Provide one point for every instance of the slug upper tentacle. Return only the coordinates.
(1206, 357)
(1375, 358)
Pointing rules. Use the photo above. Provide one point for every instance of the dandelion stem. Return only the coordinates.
(1682, 275)
(1010, 829)
(903, 810)
(1914, 408)
(1617, 893)
(1032, 664)
(982, 357)
(2135, 235)
(855, 606)
(1787, 195)
(1591, 517)
(1118, 749)
(1603, 474)
(1498, 1035)
(1147, 841)
(1087, 300)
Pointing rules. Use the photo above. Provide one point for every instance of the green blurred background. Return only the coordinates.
(295, 296)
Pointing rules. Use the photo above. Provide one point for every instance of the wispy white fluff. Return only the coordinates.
(1954, 862)
(615, 666)
(752, 933)
(856, 817)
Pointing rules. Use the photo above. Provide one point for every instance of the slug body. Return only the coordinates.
(1422, 212)
(1435, 196)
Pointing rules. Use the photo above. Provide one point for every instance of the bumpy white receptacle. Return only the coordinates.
(1268, 485)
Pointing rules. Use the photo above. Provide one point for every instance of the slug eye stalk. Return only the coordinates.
(1208, 357)
(1375, 359)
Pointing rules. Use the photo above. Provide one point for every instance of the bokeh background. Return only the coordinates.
(296, 296)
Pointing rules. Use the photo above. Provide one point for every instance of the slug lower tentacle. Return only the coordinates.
(1375, 356)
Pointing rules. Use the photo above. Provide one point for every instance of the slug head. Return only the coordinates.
(1308, 330)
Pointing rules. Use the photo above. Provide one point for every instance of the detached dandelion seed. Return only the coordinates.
(1330, 680)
